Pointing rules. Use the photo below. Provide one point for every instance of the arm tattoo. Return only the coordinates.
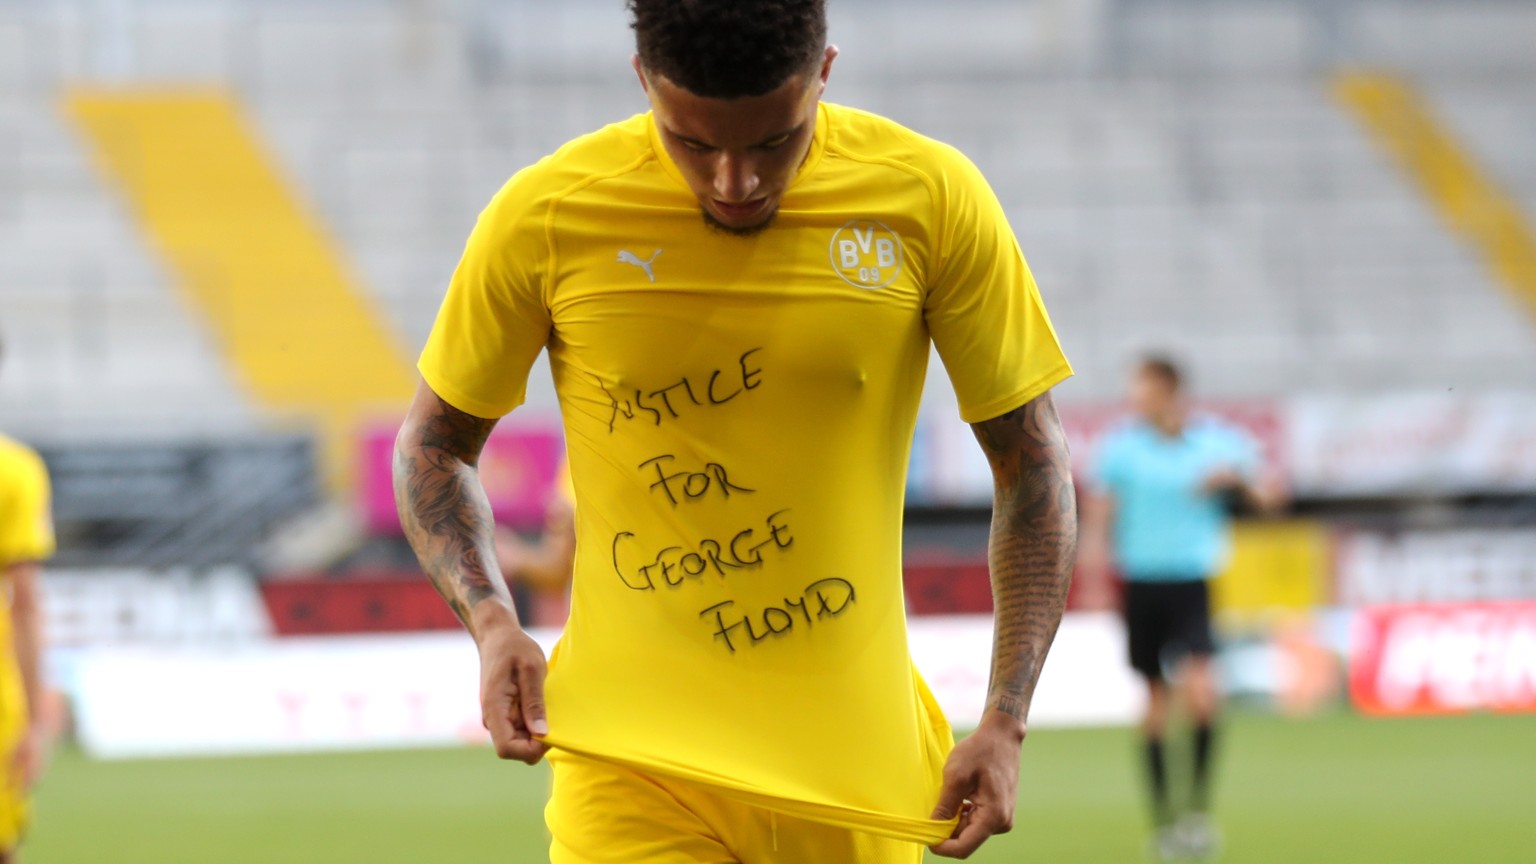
(1033, 545)
(443, 507)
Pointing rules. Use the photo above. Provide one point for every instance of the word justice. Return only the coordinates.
(714, 388)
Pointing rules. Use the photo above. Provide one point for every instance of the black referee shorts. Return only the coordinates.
(1166, 621)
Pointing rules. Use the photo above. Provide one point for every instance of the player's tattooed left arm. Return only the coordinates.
(1032, 547)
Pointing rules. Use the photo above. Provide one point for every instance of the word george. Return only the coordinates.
(691, 484)
(658, 405)
(822, 599)
(674, 564)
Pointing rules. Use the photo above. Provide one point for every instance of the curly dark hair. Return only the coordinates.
(727, 49)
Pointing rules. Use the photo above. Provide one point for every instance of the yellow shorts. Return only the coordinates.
(601, 813)
(15, 808)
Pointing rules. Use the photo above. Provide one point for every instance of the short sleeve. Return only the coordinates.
(494, 319)
(983, 310)
(26, 516)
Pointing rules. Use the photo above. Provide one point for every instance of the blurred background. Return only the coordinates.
(225, 227)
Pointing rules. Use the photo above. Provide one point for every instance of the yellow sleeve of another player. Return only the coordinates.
(495, 319)
(983, 309)
(26, 518)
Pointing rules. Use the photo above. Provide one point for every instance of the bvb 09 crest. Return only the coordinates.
(866, 254)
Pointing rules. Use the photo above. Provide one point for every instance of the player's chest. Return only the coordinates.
(839, 263)
(683, 315)
(1171, 469)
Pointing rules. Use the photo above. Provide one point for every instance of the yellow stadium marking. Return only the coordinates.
(1469, 201)
(301, 336)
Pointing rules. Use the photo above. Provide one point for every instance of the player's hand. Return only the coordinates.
(30, 756)
(1271, 493)
(1222, 480)
(512, 691)
(981, 783)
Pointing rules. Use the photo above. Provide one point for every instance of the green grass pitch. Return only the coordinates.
(1334, 789)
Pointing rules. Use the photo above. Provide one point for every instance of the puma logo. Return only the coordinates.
(629, 257)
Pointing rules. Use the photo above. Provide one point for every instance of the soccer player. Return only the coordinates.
(26, 538)
(1164, 483)
(738, 290)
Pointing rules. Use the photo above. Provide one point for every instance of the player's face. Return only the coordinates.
(738, 155)
(1150, 395)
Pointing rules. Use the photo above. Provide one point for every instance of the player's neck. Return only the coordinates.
(1170, 421)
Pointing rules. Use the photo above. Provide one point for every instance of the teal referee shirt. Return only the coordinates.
(1166, 526)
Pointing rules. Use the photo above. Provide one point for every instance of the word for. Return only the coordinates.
(691, 485)
(721, 386)
(674, 564)
(822, 599)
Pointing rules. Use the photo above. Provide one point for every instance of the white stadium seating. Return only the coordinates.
(1232, 212)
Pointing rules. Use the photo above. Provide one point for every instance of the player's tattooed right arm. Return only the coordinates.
(1033, 545)
(443, 508)
(448, 520)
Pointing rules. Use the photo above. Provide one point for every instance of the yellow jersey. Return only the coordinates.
(26, 521)
(739, 415)
(26, 535)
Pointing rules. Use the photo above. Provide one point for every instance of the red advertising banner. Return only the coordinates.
(316, 606)
(1441, 659)
(381, 602)
(518, 468)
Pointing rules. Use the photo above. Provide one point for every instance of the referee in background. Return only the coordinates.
(1165, 483)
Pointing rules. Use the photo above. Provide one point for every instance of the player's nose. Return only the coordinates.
(735, 179)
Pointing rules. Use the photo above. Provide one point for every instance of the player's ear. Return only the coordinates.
(645, 85)
(826, 66)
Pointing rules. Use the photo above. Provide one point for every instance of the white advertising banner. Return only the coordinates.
(1436, 566)
(1087, 680)
(330, 693)
(137, 605)
(1407, 443)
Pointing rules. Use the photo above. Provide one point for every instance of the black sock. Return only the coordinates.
(1199, 797)
(1157, 776)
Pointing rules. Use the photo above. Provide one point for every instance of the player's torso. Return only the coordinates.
(739, 410)
(647, 298)
(739, 414)
(18, 470)
(1167, 519)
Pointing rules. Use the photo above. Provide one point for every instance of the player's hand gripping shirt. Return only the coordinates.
(738, 416)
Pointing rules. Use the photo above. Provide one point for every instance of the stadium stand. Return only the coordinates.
(1179, 173)
(1240, 217)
